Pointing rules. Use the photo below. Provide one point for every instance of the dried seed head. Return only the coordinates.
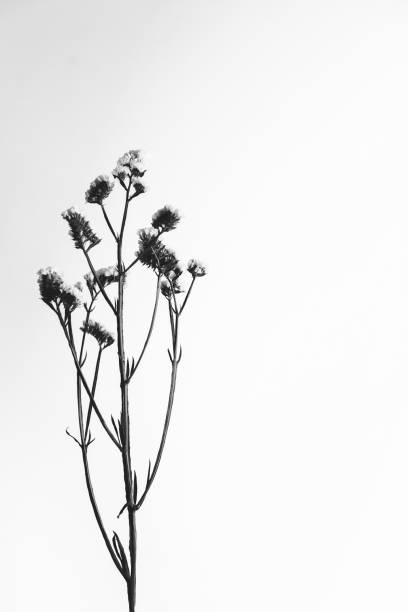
(99, 189)
(196, 268)
(54, 290)
(101, 335)
(165, 219)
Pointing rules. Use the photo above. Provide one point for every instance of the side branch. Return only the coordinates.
(174, 365)
(98, 282)
(85, 384)
(108, 223)
(149, 333)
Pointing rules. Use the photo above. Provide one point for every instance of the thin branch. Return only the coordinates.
(94, 383)
(188, 294)
(174, 367)
(86, 387)
(149, 333)
(105, 214)
(98, 282)
(131, 265)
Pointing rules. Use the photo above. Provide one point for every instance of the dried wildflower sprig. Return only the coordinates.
(64, 301)
(85, 239)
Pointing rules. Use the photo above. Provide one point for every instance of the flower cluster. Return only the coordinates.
(99, 189)
(154, 254)
(105, 276)
(196, 268)
(130, 166)
(165, 219)
(101, 335)
(54, 291)
(80, 230)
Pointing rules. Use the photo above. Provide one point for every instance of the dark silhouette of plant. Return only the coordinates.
(105, 283)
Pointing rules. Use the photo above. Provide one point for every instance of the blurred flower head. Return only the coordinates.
(165, 219)
(196, 268)
(80, 230)
(99, 189)
(101, 335)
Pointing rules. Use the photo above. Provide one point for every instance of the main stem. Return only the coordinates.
(126, 459)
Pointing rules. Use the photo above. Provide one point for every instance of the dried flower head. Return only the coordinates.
(129, 164)
(54, 291)
(71, 297)
(105, 276)
(196, 268)
(101, 335)
(154, 254)
(138, 186)
(80, 230)
(165, 219)
(99, 189)
(109, 275)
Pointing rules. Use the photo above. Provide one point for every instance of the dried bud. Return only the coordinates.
(99, 189)
(165, 219)
(80, 230)
(196, 268)
(101, 335)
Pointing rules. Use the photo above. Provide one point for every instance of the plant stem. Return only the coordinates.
(125, 424)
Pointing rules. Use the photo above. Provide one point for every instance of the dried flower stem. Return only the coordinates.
(63, 300)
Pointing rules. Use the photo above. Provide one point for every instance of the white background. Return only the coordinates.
(279, 129)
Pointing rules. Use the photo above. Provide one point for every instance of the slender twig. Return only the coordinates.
(109, 224)
(98, 282)
(131, 265)
(188, 294)
(149, 333)
(94, 383)
(173, 379)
